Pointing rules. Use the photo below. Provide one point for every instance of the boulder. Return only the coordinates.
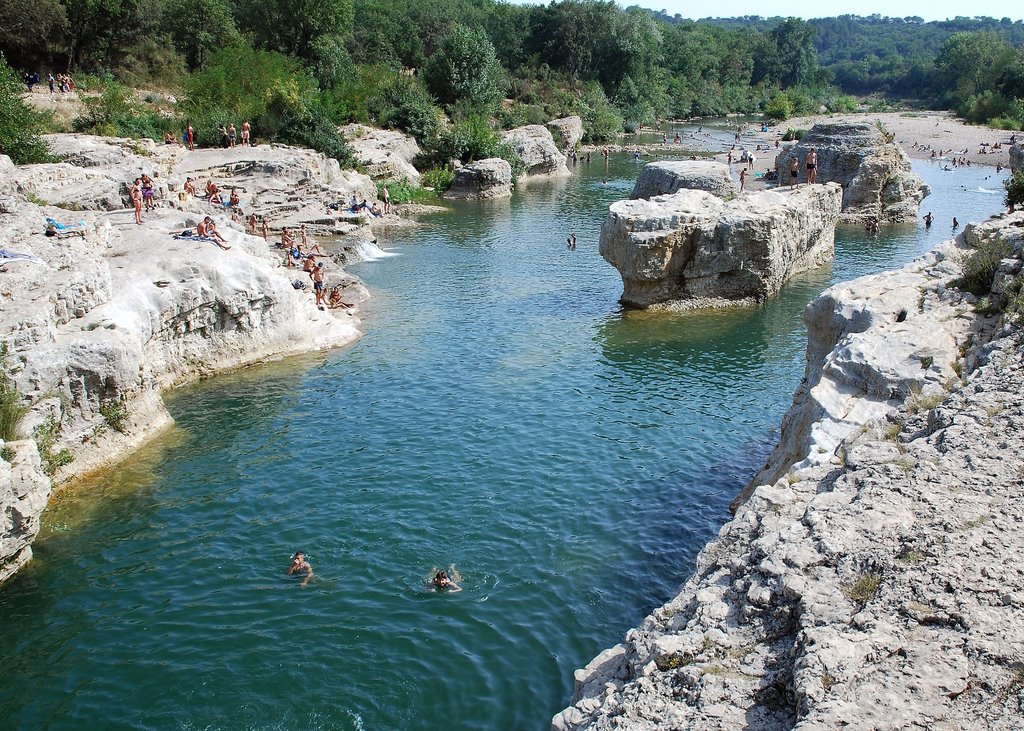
(1017, 157)
(669, 176)
(24, 492)
(387, 154)
(873, 170)
(693, 249)
(490, 178)
(536, 147)
(567, 131)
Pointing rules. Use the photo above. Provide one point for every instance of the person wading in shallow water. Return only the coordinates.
(300, 566)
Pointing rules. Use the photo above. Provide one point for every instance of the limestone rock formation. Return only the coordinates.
(24, 492)
(68, 186)
(692, 249)
(875, 173)
(490, 178)
(387, 154)
(109, 316)
(1017, 157)
(668, 176)
(536, 147)
(876, 587)
(567, 131)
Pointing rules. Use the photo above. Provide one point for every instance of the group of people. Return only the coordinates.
(228, 135)
(142, 195)
(59, 83)
(810, 164)
(440, 580)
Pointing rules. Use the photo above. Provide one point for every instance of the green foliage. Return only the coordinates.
(404, 103)
(406, 192)
(471, 139)
(20, 126)
(601, 120)
(115, 112)
(1015, 189)
(295, 27)
(781, 107)
(465, 69)
(12, 410)
(440, 179)
(47, 435)
(116, 415)
(980, 266)
(7, 453)
(200, 27)
(793, 134)
(864, 589)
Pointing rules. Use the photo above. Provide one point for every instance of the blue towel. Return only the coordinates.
(18, 256)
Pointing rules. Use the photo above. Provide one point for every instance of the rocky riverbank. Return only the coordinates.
(101, 315)
(869, 579)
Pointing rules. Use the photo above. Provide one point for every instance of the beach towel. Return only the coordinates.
(7, 255)
(52, 222)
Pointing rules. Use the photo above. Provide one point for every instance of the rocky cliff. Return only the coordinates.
(670, 176)
(876, 585)
(1017, 157)
(693, 249)
(875, 173)
(481, 180)
(387, 154)
(100, 318)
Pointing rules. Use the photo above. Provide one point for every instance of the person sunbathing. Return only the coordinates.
(190, 188)
(213, 192)
(235, 200)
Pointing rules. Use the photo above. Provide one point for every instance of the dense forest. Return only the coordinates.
(454, 72)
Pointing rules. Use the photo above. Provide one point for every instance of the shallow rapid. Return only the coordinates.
(502, 414)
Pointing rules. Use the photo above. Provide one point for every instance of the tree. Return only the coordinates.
(465, 69)
(19, 125)
(969, 61)
(293, 26)
(28, 29)
(199, 27)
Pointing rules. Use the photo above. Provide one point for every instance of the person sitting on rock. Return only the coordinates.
(208, 229)
(235, 200)
(334, 301)
(212, 192)
(190, 188)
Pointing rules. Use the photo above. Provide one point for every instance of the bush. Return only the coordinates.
(780, 107)
(20, 126)
(404, 103)
(468, 140)
(980, 266)
(406, 192)
(793, 134)
(440, 179)
(115, 113)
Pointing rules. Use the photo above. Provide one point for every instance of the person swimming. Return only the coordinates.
(300, 566)
(443, 582)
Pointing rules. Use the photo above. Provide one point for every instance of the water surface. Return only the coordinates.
(502, 414)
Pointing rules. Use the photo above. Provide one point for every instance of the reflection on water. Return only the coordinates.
(503, 413)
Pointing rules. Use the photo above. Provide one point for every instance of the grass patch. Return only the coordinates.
(976, 522)
(7, 453)
(406, 192)
(927, 362)
(12, 410)
(828, 680)
(864, 589)
(911, 556)
(33, 198)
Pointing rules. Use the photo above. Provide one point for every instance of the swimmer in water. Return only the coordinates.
(300, 565)
(442, 582)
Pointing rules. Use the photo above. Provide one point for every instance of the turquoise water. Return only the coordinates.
(502, 414)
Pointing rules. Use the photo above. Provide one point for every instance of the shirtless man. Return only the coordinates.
(335, 301)
(386, 197)
(235, 199)
(287, 238)
(136, 195)
(317, 275)
(212, 192)
(190, 132)
(208, 229)
(812, 166)
(232, 134)
(190, 188)
(794, 170)
(246, 129)
(300, 566)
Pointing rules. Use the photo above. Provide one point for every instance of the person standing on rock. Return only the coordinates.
(386, 197)
(252, 223)
(232, 134)
(794, 170)
(136, 196)
(743, 179)
(246, 129)
(812, 166)
(317, 275)
(266, 230)
(147, 193)
(190, 133)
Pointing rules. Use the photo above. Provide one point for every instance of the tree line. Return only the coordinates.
(453, 72)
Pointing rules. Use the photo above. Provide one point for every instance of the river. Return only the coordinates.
(502, 414)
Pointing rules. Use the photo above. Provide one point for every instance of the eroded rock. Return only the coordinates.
(668, 176)
(567, 131)
(693, 249)
(536, 147)
(490, 178)
(875, 173)
(387, 154)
